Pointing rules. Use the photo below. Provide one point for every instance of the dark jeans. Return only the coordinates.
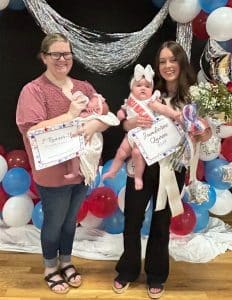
(157, 254)
(60, 206)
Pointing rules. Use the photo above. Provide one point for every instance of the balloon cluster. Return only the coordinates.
(18, 193)
(210, 191)
(209, 18)
(103, 206)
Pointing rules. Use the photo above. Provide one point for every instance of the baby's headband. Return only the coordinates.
(140, 72)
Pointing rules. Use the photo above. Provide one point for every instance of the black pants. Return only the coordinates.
(157, 254)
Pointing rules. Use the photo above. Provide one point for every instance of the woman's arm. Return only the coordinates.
(165, 110)
(138, 121)
(91, 127)
(74, 111)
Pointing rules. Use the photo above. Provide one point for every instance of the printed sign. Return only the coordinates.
(53, 145)
(158, 141)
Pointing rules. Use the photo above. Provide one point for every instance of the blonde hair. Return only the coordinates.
(51, 39)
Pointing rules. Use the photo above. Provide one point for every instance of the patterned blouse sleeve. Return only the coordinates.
(31, 107)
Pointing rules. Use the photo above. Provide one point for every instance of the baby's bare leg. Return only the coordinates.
(122, 154)
(73, 166)
(139, 164)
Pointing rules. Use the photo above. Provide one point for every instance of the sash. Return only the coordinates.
(136, 107)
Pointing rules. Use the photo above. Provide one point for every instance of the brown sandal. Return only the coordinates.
(54, 283)
(124, 284)
(73, 275)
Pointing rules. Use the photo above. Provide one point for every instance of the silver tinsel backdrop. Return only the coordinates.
(102, 52)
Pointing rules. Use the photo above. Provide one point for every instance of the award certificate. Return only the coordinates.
(55, 144)
(158, 141)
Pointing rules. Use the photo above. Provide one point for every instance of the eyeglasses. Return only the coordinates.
(58, 55)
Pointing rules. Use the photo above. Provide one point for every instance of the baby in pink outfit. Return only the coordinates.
(94, 106)
(141, 101)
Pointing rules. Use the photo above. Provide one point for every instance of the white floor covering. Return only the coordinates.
(98, 245)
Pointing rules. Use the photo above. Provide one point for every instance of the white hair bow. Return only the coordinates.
(140, 72)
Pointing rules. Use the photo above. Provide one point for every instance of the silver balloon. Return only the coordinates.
(227, 173)
(210, 149)
(198, 192)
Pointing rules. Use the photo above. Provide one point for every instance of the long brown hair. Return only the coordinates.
(186, 78)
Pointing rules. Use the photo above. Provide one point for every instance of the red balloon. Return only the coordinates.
(226, 149)
(3, 197)
(183, 224)
(200, 170)
(102, 202)
(229, 3)
(199, 26)
(18, 158)
(83, 211)
(35, 201)
(2, 150)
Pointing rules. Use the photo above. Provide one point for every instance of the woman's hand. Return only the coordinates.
(138, 121)
(144, 122)
(76, 107)
(204, 137)
(89, 128)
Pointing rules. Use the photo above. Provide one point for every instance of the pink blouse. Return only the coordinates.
(41, 100)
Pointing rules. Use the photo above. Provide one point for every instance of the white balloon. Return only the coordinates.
(91, 221)
(3, 167)
(4, 4)
(121, 199)
(224, 131)
(219, 24)
(184, 11)
(223, 204)
(210, 149)
(17, 210)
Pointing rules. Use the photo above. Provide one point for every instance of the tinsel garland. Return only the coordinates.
(102, 52)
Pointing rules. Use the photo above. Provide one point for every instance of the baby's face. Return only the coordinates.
(142, 89)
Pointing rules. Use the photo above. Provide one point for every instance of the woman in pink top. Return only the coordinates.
(43, 102)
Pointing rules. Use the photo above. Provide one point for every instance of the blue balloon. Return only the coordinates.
(145, 230)
(16, 181)
(202, 220)
(158, 3)
(214, 173)
(37, 215)
(226, 45)
(119, 181)
(16, 5)
(97, 180)
(209, 5)
(115, 223)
